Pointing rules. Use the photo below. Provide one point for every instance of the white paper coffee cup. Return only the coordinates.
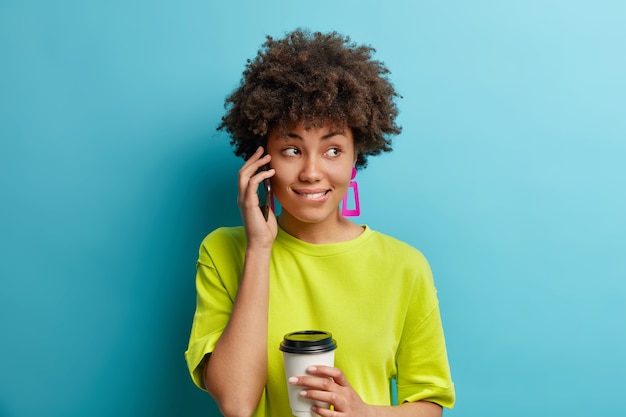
(300, 350)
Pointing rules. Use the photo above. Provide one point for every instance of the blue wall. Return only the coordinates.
(509, 176)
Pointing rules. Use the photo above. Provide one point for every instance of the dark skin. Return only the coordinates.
(310, 172)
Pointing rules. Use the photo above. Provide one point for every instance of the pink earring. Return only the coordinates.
(356, 211)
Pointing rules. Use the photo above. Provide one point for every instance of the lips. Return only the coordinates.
(312, 194)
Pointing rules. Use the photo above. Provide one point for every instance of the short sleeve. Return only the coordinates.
(423, 370)
(217, 274)
(422, 360)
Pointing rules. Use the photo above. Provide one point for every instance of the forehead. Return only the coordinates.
(303, 128)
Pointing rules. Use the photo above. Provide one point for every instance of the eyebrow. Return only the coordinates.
(329, 135)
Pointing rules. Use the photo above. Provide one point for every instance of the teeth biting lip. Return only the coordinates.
(312, 195)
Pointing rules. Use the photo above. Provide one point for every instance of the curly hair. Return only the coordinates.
(313, 78)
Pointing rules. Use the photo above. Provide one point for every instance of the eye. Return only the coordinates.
(333, 152)
(291, 151)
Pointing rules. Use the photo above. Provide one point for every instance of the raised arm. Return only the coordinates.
(235, 373)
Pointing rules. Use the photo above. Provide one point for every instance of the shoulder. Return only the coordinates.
(223, 241)
(225, 234)
(397, 249)
(402, 260)
(406, 270)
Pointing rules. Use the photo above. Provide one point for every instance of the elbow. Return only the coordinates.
(236, 409)
(233, 405)
(233, 400)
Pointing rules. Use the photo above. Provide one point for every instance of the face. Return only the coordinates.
(313, 169)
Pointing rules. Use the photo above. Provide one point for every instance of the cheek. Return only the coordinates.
(344, 175)
(281, 179)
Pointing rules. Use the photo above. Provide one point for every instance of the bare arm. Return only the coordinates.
(236, 371)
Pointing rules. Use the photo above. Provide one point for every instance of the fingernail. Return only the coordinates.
(311, 369)
(303, 393)
(292, 379)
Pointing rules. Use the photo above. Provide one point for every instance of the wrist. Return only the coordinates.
(259, 249)
(375, 411)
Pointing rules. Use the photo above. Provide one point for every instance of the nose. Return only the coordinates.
(312, 169)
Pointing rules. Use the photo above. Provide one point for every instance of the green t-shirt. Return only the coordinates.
(374, 293)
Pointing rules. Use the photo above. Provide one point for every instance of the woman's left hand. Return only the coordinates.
(329, 385)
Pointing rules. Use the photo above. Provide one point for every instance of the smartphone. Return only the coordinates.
(265, 196)
(266, 202)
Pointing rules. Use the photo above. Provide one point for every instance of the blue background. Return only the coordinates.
(509, 176)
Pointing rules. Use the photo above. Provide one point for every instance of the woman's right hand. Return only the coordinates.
(260, 233)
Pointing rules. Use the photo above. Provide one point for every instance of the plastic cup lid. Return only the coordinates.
(308, 341)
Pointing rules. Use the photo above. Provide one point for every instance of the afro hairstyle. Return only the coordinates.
(313, 78)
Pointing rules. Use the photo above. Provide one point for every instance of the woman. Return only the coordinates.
(310, 109)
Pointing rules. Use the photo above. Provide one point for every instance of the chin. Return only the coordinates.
(310, 216)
